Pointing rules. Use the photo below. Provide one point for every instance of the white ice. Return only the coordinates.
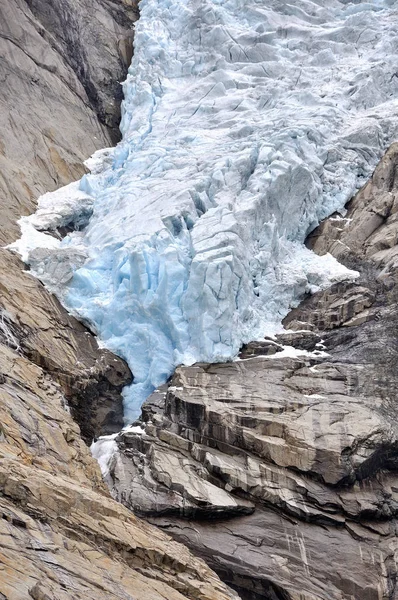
(103, 450)
(244, 124)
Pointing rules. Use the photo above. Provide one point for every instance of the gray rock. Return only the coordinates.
(60, 68)
(301, 339)
(95, 38)
(263, 348)
(311, 442)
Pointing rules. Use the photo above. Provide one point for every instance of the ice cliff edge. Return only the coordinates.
(243, 126)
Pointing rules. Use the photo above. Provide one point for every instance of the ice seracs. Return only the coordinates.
(244, 123)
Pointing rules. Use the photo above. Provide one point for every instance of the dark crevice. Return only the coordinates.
(68, 33)
(252, 589)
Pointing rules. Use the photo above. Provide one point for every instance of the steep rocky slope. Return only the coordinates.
(61, 535)
(281, 469)
(61, 64)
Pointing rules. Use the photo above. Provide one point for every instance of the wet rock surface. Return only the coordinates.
(280, 469)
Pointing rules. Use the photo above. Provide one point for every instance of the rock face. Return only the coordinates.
(60, 67)
(91, 379)
(280, 469)
(61, 535)
(84, 33)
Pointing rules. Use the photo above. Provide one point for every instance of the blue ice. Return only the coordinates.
(244, 124)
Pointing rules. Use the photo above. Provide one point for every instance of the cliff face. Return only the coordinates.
(61, 64)
(281, 469)
(61, 535)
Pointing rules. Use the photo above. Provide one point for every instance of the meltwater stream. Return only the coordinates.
(244, 123)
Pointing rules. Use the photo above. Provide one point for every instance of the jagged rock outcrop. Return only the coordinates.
(280, 469)
(61, 535)
(91, 379)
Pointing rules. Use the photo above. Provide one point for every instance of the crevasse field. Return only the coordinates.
(245, 122)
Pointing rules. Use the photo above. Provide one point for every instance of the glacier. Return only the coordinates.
(244, 123)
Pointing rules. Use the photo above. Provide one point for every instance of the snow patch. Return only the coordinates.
(287, 352)
(103, 450)
(134, 429)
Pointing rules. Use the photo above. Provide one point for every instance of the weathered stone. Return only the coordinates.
(370, 223)
(310, 441)
(303, 340)
(91, 379)
(61, 64)
(333, 307)
(84, 33)
(61, 534)
(262, 348)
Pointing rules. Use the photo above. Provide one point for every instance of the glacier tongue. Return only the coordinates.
(244, 123)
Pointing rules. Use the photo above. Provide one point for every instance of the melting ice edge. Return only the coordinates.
(243, 126)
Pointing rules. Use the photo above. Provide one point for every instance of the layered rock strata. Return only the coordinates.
(61, 535)
(280, 469)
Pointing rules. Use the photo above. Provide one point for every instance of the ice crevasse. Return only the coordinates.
(244, 123)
